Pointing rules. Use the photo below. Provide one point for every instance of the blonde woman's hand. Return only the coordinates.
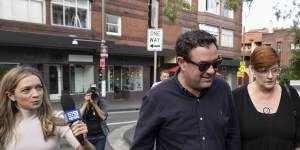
(78, 128)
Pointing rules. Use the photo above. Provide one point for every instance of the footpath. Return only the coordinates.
(118, 139)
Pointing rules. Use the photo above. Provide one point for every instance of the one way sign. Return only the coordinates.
(155, 39)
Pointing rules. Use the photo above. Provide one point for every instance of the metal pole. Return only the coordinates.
(155, 66)
(243, 53)
(103, 21)
(103, 82)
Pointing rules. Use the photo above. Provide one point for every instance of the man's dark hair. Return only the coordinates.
(193, 39)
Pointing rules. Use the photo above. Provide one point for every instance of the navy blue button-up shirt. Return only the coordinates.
(177, 120)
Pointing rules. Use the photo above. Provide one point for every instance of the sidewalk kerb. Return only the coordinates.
(116, 138)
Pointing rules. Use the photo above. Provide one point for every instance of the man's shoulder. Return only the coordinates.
(220, 83)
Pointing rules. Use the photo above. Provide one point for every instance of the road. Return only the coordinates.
(114, 121)
(120, 118)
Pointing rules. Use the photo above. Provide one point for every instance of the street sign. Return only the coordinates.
(103, 51)
(154, 39)
(240, 74)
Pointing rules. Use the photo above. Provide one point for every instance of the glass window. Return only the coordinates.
(227, 38)
(185, 29)
(210, 29)
(113, 24)
(211, 6)
(81, 77)
(73, 13)
(23, 10)
(226, 12)
(4, 67)
(124, 78)
(279, 46)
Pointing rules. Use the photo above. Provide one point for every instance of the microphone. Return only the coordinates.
(71, 113)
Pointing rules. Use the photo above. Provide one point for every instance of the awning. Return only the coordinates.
(173, 69)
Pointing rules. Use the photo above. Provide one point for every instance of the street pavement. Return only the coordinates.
(122, 118)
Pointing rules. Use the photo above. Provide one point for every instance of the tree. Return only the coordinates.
(286, 9)
(173, 6)
(291, 72)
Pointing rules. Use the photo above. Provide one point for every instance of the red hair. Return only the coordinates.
(264, 57)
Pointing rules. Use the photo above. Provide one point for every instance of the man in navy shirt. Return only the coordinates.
(193, 110)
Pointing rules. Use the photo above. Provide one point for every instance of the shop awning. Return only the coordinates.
(173, 69)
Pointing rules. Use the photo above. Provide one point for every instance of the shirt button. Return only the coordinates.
(201, 118)
(203, 138)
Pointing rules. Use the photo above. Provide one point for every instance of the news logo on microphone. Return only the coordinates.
(72, 115)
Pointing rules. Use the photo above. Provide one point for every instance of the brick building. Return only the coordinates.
(40, 33)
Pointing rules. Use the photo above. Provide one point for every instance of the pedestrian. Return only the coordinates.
(94, 114)
(192, 110)
(164, 74)
(268, 112)
(26, 113)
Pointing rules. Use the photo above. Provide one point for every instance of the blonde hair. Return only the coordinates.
(9, 110)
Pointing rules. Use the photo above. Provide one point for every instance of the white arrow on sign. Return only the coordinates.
(154, 39)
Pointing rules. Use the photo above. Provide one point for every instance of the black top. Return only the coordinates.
(260, 131)
(177, 120)
(93, 121)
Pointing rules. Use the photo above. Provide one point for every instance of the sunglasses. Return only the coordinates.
(203, 66)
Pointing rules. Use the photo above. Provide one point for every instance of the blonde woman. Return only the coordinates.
(27, 120)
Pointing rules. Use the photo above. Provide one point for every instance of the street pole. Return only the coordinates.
(103, 53)
(243, 53)
(155, 66)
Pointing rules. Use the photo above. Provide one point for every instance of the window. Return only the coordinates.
(185, 29)
(73, 78)
(4, 67)
(72, 13)
(227, 38)
(81, 77)
(113, 24)
(23, 10)
(226, 12)
(208, 6)
(124, 78)
(295, 46)
(210, 29)
(279, 46)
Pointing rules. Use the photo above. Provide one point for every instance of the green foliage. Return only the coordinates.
(291, 72)
(296, 34)
(234, 4)
(171, 10)
(173, 6)
(290, 10)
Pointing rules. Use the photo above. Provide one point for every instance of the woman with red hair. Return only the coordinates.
(268, 112)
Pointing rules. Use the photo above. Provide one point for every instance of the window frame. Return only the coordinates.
(119, 25)
(225, 39)
(209, 29)
(88, 16)
(28, 8)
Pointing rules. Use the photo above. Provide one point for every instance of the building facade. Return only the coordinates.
(41, 33)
